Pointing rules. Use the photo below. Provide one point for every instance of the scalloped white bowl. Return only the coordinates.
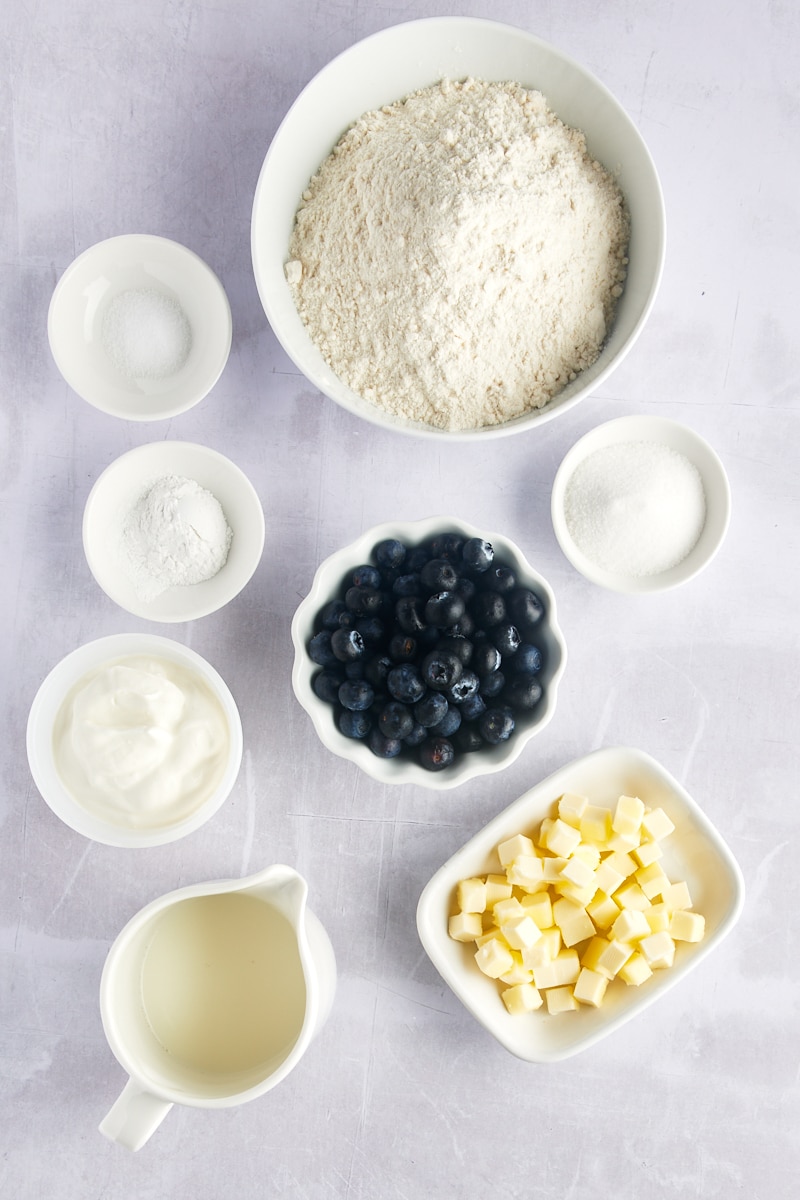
(326, 585)
(138, 261)
(389, 65)
(695, 851)
(44, 711)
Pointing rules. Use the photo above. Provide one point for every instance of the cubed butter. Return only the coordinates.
(521, 932)
(523, 998)
(471, 895)
(607, 878)
(676, 896)
(595, 824)
(657, 917)
(494, 958)
(652, 880)
(540, 907)
(590, 987)
(658, 949)
(687, 926)
(507, 910)
(593, 950)
(526, 872)
(465, 927)
(635, 971)
(603, 910)
(647, 853)
(573, 921)
(627, 818)
(630, 895)
(613, 958)
(497, 888)
(563, 969)
(560, 1000)
(519, 973)
(571, 807)
(562, 839)
(508, 850)
(656, 825)
(630, 925)
(579, 872)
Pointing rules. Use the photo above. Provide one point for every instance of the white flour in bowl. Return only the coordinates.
(458, 257)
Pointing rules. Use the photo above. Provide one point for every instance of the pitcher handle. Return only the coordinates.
(134, 1117)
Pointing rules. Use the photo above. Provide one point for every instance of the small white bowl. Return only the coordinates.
(695, 852)
(715, 485)
(80, 303)
(125, 481)
(327, 586)
(44, 711)
(386, 67)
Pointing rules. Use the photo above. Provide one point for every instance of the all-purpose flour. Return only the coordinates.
(458, 257)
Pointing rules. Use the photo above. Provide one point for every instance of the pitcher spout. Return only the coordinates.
(282, 887)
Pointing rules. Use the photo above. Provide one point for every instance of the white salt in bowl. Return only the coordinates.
(140, 303)
(327, 585)
(694, 852)
(675, 436)
(125, 481)
(384, 68)
(40, 744)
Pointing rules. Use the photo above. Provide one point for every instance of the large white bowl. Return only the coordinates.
(695, 852)
(674, 436)
(327, 586)
(44, 711)
(142, 262)
(389, 65)
(125, 480)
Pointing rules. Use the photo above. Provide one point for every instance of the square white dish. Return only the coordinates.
(695, 851)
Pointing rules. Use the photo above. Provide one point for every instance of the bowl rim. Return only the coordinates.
(200, 607)
(392, 771)
(514, 818)
(47, 701)
(216, 295)
(665, 431)
(346, 397)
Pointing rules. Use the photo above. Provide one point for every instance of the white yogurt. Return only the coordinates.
(141, 741)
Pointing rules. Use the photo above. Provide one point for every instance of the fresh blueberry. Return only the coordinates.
(467, 739)
(460, 646)
(389, 553)
(477, 554)
(326, 685)
(526, 609)
(486, 658)
(441, 669)
(347, 644)
(320, 649)
(465, 686)
(488, 609)
(499, 579)
(448, 724)
(524, 691)
(436, 753)
(407, 585)
(528, 659)
(473, 707)
(363, 601)
(335, 616)
(448, 546)
(410, 614)
(492, 685)
(383, 747)
(372, 630)
(431, 709)
(466, 589)
(377, 668)
(444, 608)
(354, 669)
(402, 648)
(506, 638)
(464, 628)
(354, 724)
(366, 576)
(438, 575)
(395, 721)
(404, 684)
(496, 725)
(356, 695)
(417, 735)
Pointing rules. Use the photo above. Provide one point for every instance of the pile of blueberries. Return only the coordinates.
(427, 651)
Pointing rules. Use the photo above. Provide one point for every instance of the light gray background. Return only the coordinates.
(155, 117)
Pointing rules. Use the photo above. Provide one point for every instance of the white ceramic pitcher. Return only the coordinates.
(210, 996)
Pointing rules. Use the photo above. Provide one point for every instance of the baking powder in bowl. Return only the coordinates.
(635, 508)
(458, 257)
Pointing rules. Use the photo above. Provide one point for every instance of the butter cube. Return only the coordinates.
(657, 917)
(526, 872)
(560, 999)
(647, 853)
(562, 839)
(507, 910)
(571, 808)
(591, 954)
(607, 877)
(630, 925)
(579, 872)
(519, 973)
(635, 971)
(595, 824)
(552, 868)
(573, 921)
(471, 895)
(540, 907)
(621, 861)
(494, 958)
(677, 896)
(603, 910)
(544, 829)
(630, 895)
(465, 927)
(589, 854)
(508, 850)
(652, 879)
(590, 987)
(523, 998)
(625, 843)
(563, 969)
(613, 958)
(627, 818)
(687, 926)
(497, 888)
(656, 825)
(492, 935)
(545, 950)
(579, 896)
(658, 949)
(521, 932)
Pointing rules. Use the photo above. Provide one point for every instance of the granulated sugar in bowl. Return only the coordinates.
(640, 504)
(446, 341)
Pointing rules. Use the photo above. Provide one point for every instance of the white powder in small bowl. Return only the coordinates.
(146, 334)
(636, 508)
